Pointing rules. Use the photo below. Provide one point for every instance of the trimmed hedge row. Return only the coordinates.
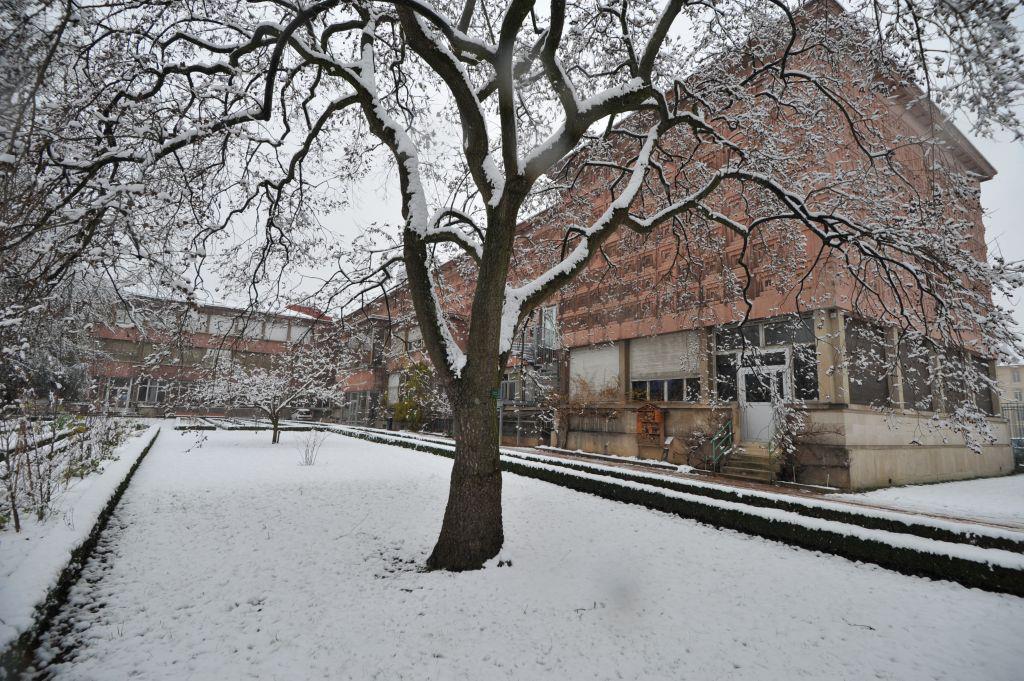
(866, 521)
(18, 656)
(905, 560)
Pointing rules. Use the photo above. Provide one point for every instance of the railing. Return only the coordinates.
(1014, 414)
(721, 445)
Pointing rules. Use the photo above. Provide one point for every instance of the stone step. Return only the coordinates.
(755, 464)
(742, 456)
(746, 473)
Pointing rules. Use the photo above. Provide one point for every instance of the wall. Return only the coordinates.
(612, 429)
(860, 448)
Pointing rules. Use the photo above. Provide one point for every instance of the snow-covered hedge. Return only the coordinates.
(37, 574)
(871, 518)
(993, 569)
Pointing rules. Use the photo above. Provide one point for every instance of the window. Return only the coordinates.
(725, 377)
(511, 390)
(789, 331)
(916, 365)
(738, 337)
(955, 381)
(866, 363)
(638, 391)
(1016, 375)
(758, 345)
(757, 386)
(656, 390)
(549, 327)
(1017, 395)
(677, 389)
(805, 372)
(151, 391)
(666, 390)
(983, 392)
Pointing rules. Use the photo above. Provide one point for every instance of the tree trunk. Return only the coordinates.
(276, 437)
(471, 532)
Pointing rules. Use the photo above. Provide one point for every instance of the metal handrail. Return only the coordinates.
(721, 444)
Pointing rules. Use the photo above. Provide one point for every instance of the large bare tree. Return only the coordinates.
(141, 130)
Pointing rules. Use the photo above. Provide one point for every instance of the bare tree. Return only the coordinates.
(164, 124)
(303, 373)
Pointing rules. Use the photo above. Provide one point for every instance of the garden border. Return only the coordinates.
(17, 657)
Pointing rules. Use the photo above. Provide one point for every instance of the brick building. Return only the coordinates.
(149, 354)
(650, 353)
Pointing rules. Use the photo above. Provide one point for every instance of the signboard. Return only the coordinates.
(650, 425)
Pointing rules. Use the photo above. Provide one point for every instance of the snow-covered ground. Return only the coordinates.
(232, 561)
(32, 560)
(995, 500)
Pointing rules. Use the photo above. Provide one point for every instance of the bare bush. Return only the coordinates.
(41, 458)
(309, 451)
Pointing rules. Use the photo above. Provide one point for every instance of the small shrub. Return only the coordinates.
(310, 449)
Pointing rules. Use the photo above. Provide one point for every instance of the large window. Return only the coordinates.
(866, 363)
(725, 377)
(983, 393)
(773, 343)
(916, 363)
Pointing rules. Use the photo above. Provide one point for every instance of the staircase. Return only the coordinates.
(750, 461)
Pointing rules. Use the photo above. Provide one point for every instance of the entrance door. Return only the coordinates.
(758, 387)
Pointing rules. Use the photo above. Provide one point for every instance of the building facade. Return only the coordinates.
(744, 350)
(150, 350)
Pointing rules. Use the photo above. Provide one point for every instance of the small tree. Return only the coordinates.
(303, 373)
(421, 397)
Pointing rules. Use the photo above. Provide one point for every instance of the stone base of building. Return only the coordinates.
(844, 446)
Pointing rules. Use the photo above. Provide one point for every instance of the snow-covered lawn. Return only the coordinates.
(996, 500)
(232, 561)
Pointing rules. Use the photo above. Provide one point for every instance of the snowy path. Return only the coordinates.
(996, 500)
(233, 562)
